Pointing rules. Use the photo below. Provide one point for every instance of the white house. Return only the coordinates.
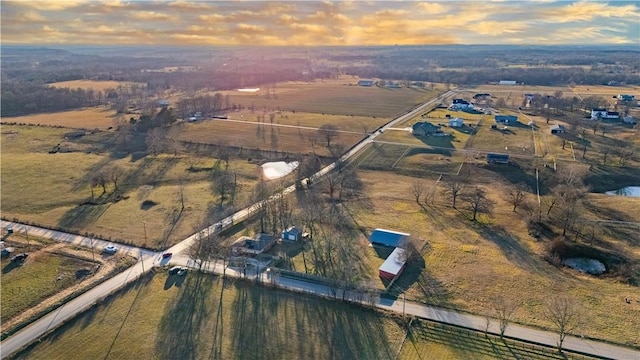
(598, 113)
(456, 122)
(507, 82)
(460, 104)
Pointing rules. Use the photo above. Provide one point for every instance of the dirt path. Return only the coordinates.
(62, 248)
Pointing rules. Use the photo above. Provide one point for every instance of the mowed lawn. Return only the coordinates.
(43, 274)
(196, 317)
(51, 189)
(466, 264)
(88, 118)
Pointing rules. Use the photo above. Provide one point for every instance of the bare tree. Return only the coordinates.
(478, 202)
(453, 189)
(418, 188)
(504, 309)
(155, 141)
(328, 132)
(223, 184)
(563, 312)
(114, 174)
(516, 195)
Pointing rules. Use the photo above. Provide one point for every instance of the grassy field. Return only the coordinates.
(334, 97)
(289, 139)
(197, 317)
(51, 189)
(91, 84)
(88, 118)
(446, 342)
(468, 264)
(43, 274)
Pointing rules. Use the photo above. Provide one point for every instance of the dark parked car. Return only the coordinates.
(19, 257)
(166, 255)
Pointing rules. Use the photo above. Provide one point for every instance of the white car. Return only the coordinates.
(110, 249)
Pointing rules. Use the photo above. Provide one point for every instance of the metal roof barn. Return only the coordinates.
(387, 237)
(393, 266)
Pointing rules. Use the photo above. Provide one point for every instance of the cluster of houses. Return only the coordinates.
(604, 114)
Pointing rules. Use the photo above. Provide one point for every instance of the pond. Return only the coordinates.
(585, 265)
(278, 169)
(632, 191)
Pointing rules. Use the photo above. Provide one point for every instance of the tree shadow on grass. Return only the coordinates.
(82, 215)
(304, 327)
(181, 326)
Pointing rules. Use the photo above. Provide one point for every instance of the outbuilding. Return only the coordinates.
(456, 122)
(388, 238)
(393, 266)
(558, 129)
(494, 158)
(506, 119)
(292, 234)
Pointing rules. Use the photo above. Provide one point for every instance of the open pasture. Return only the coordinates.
(54, 189)
(423, 160)
(515, 139)
(92, 84)
(198, 316)
(468, 264)
(253, 135)
(88, 118)
(358, 124)
(338, 98)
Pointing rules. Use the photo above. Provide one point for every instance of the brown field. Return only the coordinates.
(88, 118)
(468, 264)
(334, 97)
(95, 85)
(267, 137)
(50, 189)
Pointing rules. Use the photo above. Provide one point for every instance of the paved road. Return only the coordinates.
(149, 258)
(72, 308)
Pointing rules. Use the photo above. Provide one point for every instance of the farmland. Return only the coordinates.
(52, 189)
(191, 317)
(89, 118)
(95, 85)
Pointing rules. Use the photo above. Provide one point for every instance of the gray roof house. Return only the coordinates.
(424, 129)
(292, 234)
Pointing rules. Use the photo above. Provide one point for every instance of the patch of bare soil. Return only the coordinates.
(101, 269)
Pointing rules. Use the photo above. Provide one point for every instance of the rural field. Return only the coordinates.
(337, 97)
(468, 264)
(89, 118)
(53, 189)
(51, 272)
(189, 318)
(95, 85)
(198, 316)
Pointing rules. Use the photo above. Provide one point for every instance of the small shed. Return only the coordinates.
(494, 158)
(393, 266)
(558, 129)
(456, 122)
(366, 82)
(388, 238)
(506, 119)
(292, 234)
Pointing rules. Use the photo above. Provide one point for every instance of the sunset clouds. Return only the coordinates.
(182, 22)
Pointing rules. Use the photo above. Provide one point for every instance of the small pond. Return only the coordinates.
(585, 265)
(278, 169)
(632, 191)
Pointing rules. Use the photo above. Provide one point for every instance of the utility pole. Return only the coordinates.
(144, 225)
(26, 233)
(93, 257)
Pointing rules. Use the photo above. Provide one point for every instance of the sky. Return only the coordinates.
(318, 23)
